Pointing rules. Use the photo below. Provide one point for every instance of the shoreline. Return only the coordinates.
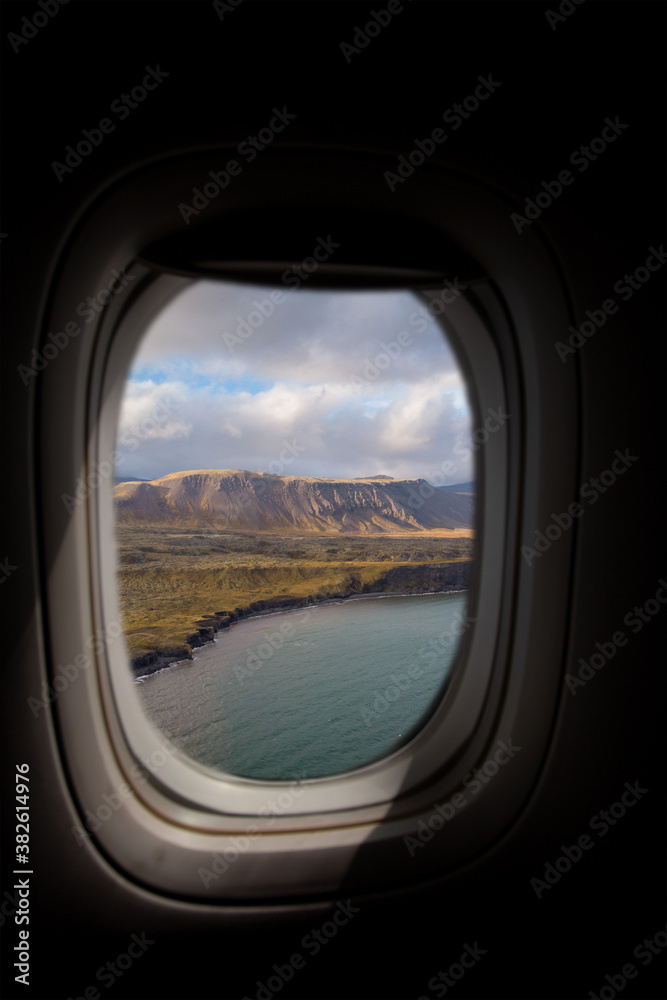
(164, 662)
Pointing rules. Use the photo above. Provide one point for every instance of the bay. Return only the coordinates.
(311, 692)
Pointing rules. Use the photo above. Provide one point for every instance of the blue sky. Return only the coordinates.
(306, 383)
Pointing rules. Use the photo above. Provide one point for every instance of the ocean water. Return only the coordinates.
(310, 692)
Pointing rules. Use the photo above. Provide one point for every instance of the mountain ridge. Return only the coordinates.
(237, 499)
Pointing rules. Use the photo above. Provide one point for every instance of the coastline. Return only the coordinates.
(157, 662)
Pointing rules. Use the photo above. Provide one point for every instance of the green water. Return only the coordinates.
(310, 692)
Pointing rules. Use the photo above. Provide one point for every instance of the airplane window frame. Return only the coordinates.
(307, 847)
(370, 784)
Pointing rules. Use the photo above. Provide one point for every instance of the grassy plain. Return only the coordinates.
(170, 578)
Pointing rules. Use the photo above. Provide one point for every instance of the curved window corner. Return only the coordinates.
(232, 822)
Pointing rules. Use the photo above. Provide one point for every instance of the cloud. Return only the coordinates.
(324, 370)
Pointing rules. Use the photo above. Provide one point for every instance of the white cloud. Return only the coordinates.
(292, 381)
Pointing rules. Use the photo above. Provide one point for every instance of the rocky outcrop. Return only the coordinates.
(425, 579)
(157, 659)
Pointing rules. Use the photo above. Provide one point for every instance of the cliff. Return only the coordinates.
(233, 499)
(432, 578)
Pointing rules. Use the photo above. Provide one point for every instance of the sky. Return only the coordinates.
(238, 376)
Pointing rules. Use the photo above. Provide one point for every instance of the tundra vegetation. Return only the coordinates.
(178, 585)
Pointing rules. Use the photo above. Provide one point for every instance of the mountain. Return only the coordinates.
(233, 499)
(459, 488)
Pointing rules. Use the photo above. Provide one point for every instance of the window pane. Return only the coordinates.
(294, 517)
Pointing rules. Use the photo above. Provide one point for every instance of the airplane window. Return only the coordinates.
(294, 510)
(290, 533)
